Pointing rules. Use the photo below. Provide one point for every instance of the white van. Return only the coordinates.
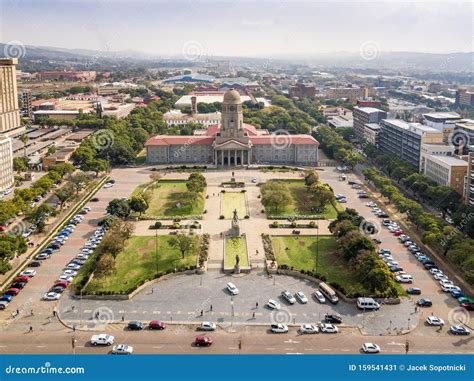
(367, 304)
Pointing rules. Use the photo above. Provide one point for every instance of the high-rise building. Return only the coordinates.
(10, 124)
(363, 116)
(465, 97)
(26, 104)
(403, 140)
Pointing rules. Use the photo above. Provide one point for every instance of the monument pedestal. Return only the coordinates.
(236, 269)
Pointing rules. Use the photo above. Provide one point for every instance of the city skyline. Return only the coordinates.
(240, 28)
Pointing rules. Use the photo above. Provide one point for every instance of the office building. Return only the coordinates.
(363, 116)
(403, 140)
(447, 171)
(300, 90)
(464, 97)
(371, 133)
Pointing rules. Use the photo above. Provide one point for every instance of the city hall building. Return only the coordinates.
(233, 143)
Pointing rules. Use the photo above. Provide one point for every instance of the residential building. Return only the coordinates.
(465, 97)
(371, 133)
(6, 163)
(300, 90)
(352, 93)
(403, 140)
(26, 109)
(233, 143)
(364, 115)
(448, 171)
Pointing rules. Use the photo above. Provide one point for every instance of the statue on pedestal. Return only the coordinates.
(235, 230)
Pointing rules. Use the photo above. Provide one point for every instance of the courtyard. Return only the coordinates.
(231, 201)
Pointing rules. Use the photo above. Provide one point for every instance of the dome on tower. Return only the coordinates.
(232, 97)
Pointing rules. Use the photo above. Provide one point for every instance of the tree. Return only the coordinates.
(320, 195)
(138, 204)
(24, 139)
(118, 207)
(196, 182)
(39, 216)
(64, 194)
(183, 243)
(155, 177)
(311, 178)
(105, 265)
(95, 165)
(79, 181)
(275, 195)
(20, 164)
(113, 244)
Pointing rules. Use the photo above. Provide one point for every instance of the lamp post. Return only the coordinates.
(156, 252)
(317, 245)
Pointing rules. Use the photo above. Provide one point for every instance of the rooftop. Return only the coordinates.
(368, 110)
(448, 160)
(373, 126)
(442, 115)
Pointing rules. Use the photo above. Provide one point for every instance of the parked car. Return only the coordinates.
(12, 291)
(273, 304)
(135, 326)
(279, 328)
(288, 296)
(468, 306)
(19, 285)
(155, 324)
(405, 278)
(122, 349)
(35, 264)
(203, 341)
(318, 295)
(424, 303)
(333, 318)
(207, 326)
(370, 348)
(308, 329)
(301, 297)
(6, 298)
(413, 291)
(329, 328)
(3, 304)
(51, 296)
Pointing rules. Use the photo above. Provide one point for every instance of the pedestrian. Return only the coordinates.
(17, 311)
(211, 307)
(72, 308)
(123, 318)
(31, 328)
(32, 312)
(202, 312)
(54, 313)
(49, 319)
(97, 315)
(253, 315)
(256, 305)
(74, 328)
(152, 290)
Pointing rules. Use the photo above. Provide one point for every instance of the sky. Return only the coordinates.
(239, 28)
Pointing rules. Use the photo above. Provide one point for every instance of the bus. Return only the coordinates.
(328, 292)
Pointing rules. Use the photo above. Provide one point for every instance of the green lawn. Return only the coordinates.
(300, 253)
(300, 204)
(231, 201)
(138, 261)
(165, 199)
(234, 246)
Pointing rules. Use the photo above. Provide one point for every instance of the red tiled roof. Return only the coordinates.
(212, 130)
(167, 140)
(283, 139)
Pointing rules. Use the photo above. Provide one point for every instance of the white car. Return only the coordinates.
(254, 180)
(440, 276)
(72, 266)
(446, 282)
(434, 320)
(108, 185)
(51, 296)
(370, 348)
(70, 272)
(329, 328)
(435, 271)
(318, 295)
(279, 328)
(207, 326)
(30, 273)
(273, 304)
(289, 298)
(232, 288)
(405, 278)
(102, 339)
(66, 278)
(301, 297)
(122, 349)
(309, 329)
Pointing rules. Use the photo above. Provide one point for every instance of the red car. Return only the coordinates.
(203, 341)
(12, 291)
(21, 278)
(155, 324)
(61, 283)
(468, 306)
(398, 233)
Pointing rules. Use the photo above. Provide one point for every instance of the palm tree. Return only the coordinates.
(24, 139)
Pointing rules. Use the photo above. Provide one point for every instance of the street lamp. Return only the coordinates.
(317, 245)
(156, 252)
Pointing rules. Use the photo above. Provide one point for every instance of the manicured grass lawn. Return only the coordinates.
(138, 261)
(165, 199)
(234, 246)
(300, 253)
(300, 204)
(231, 201)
